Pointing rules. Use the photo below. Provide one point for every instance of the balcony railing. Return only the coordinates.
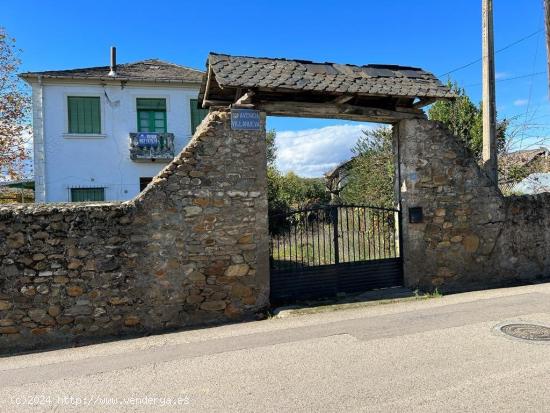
(151, 147)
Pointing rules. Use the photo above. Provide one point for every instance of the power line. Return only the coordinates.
(498, 51)
(510, 78)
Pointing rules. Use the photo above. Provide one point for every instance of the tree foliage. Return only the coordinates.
(14, 107)
(465, 120)
(370, 178)
(290, 191)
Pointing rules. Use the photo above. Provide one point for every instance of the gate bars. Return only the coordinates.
(334, 234)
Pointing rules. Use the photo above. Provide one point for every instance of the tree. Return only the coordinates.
(271, 150)
(14, 106)
(370, 178)
(465, 120)
(290, 191)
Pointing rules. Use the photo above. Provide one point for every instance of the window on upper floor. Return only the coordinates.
(197, 115)
(84, 114)
(151, 115)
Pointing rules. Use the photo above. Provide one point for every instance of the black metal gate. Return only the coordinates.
(320, 252)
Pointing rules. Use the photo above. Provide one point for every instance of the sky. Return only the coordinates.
(436, 35)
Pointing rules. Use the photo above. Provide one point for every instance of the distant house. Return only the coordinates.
(102, 133)
(16, 191)
(515, 166)
(535, 183)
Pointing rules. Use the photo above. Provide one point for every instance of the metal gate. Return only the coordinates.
(320, 252)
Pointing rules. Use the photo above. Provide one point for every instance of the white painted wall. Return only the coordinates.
(100, 161)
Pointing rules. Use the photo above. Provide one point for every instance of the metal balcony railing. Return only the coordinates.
(151, 147)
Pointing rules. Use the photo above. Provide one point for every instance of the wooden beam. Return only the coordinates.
(424, 102)
(245, 99)
(333, 111)
(207, 88)
(343, 99)
(211, 102)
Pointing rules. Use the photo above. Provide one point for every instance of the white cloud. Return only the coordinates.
(520, 102)
(313, 152)
(501, 75)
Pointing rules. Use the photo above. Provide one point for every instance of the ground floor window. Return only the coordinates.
(87, 194)
(143, 182)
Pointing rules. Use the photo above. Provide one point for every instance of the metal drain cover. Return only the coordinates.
(532, 332)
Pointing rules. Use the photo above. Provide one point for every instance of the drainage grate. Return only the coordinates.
(532, 332)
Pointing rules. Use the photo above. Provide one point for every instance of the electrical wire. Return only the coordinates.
(508, 46)
(510, 78)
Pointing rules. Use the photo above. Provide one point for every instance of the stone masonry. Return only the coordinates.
(191, 249)
(471, 236)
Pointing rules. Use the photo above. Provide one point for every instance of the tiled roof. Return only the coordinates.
(306, 76)
(146, 70)
(523, 157)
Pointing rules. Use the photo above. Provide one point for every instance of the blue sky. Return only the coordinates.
(438, 36)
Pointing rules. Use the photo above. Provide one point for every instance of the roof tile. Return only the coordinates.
(240, 71)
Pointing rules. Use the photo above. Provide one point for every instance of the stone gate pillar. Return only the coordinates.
(208, 210)
(451, 247)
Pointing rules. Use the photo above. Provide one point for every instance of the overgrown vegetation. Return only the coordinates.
(465, 120)
(370, 178)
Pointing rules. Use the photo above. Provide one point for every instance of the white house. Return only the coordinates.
(102, 133)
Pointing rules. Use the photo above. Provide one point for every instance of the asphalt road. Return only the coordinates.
(441, 355)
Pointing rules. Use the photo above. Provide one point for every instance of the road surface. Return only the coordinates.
(435, 355)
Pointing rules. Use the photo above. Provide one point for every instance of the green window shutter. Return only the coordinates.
(151, 115)
(197, 115)
(87, 194)
(84, 114)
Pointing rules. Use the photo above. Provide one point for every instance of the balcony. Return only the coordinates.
(151, 147)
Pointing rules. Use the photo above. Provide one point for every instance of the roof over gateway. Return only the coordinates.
(151, 70)
(380, 86)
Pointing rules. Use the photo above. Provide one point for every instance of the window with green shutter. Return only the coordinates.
(151, 115)
(87, 194)
(197, 115)
(84, 114)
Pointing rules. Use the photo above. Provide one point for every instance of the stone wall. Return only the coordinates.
(471, 236)
(191, 249)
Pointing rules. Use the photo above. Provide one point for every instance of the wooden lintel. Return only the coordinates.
(207, 88)
(246, 98)
(343, 99)
(211, 102)
(243, 106)
(238, 93)
(424, 102)
(333, 111)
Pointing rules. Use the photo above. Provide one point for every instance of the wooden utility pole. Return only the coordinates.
(489, 107)
(547, 26)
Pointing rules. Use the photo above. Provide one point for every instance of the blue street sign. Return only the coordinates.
(245, 119)
(148, 140)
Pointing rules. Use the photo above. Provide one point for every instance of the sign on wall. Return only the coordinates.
(148, 140)
(245, 119)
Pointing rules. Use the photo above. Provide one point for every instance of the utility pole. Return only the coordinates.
(547, 26)
(489, 106)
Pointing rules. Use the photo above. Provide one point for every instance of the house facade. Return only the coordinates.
(102, 133)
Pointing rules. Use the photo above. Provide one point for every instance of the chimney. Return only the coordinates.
(113, 61)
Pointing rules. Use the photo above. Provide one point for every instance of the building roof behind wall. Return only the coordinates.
(152, 70)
